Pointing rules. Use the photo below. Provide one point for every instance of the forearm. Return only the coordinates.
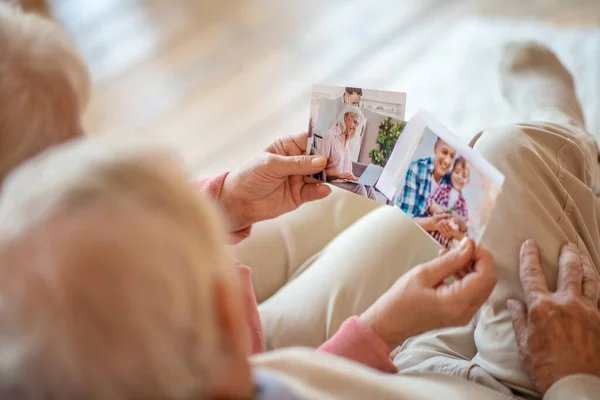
(358, 342)
(332, 174)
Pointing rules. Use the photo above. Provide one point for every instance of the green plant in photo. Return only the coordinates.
(386, 140)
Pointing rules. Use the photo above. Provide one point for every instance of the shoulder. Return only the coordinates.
(423, 161)
(328, 137)
(420, 164)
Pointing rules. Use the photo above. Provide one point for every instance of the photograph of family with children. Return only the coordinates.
(357, 143)
(448, 193)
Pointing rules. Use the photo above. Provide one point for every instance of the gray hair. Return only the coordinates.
(44, 86)
(341, 122)
(101, 319)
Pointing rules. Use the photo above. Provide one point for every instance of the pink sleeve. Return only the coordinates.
(358, 342)
(211, 187)
(252, 316)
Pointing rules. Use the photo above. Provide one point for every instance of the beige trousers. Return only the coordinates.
(326, 261)
(547, 196)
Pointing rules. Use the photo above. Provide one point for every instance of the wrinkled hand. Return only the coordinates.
(273, 182)
(420, 301)
(558, 334)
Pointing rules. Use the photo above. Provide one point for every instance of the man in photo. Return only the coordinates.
(336, 146)
(449, 199)
(423, 177)
(351, 96)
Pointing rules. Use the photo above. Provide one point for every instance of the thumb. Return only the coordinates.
(518, 315)
(314, 191)
(284, 166)
(436, 270)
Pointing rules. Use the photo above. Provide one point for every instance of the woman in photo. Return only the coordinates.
(448, 198)
(336, 146)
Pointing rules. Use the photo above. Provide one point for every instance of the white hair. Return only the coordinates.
(108, 311)
(341, 121)
(44, 86)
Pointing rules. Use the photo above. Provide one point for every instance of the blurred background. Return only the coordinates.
(216, 80)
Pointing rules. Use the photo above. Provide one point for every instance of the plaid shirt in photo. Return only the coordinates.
(417, 187)
(441, 196)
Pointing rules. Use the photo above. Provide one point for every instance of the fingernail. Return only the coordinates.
(319, 161)
(464, 243)
(528, 244)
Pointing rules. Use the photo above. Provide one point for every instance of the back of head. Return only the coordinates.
(107, 272)
(44, 86)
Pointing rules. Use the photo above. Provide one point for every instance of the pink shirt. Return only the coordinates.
(338, 154)
(354, 340)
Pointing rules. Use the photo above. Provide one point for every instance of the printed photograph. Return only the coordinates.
(448, 189)
(357, 144)
(392, 104)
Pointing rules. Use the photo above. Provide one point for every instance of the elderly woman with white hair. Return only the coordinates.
(336, 146)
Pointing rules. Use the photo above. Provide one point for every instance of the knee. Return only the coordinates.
(361, 190)
(526, 146)
(371, 193)
(505, 145)
(540, 147)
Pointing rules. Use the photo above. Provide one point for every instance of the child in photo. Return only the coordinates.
(448, 198)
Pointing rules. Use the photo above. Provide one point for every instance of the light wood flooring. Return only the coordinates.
(217, 79)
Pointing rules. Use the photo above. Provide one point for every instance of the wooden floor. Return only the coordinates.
(218, 79)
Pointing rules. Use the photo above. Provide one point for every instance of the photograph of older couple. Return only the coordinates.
(357, 144)
(392, 104)
(445, 193)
